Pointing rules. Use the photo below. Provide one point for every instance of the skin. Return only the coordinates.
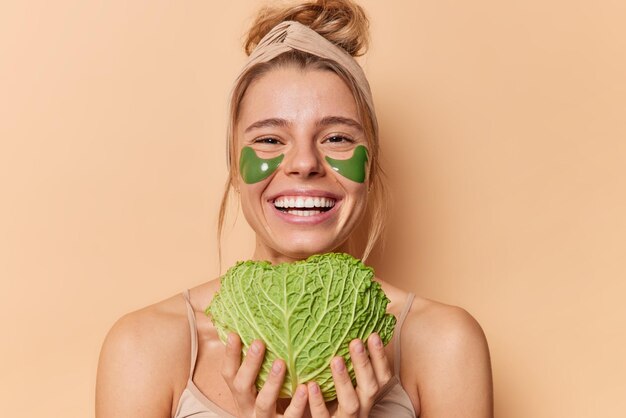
(305, 123)
(144, 363)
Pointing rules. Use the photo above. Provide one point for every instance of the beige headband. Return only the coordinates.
(291, 35)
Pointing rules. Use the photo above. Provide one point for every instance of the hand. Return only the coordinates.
(241, 377)
(372, 372)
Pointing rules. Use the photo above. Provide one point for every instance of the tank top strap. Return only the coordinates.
(191, 317)
(396, 337)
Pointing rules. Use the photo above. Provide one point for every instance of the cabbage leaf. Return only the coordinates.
(306, 312)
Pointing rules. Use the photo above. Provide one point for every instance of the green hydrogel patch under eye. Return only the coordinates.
(254, 169)
(354, 167)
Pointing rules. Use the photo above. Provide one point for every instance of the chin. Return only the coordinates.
(300, 247)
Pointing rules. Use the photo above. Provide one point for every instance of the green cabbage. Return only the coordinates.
(306, 312)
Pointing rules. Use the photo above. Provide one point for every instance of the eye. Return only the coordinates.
(339, 139)
(267, 140)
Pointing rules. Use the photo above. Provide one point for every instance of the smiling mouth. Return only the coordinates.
(304, 205)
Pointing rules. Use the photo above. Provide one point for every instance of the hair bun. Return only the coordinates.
(342, 22)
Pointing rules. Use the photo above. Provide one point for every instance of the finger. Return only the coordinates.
(243, 395)
(244, 382)
(298, 403)
(232, 358)
(366, 382)
(347, 397)
(317, 406)
(265, 405)
(378, 359)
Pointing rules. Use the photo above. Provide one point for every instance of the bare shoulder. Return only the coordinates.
(142, 361)
(445, 327)
(446, 360)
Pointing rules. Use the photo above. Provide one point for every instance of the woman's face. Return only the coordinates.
(303, 116)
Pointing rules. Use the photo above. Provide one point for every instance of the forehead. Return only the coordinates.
(297, 95)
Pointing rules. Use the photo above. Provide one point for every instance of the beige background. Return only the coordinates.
(505, 123)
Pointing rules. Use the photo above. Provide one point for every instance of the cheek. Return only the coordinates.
(356, 194)
(251, 193)
(252, 206)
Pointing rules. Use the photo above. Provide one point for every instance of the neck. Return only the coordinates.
(262, 252)
(265, 253)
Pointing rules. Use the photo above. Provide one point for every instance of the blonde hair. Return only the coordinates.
(345, 24)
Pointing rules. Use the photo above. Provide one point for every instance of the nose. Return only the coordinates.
(304, 160)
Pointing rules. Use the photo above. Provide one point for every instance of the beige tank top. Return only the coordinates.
(392, 399)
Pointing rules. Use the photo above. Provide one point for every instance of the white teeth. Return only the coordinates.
(304, 212)
(304, 202)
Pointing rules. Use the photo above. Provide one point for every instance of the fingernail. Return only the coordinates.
(314, 388)
(255, 347)
(230, 339)
(358, 347)
(301, 392)
(376, 340)
(277, 367)
(338, 365)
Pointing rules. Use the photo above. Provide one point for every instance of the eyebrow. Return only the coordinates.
(268, 123)
(326, 121)
(340, 120)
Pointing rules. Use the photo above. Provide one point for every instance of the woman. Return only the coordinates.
(300, 104)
